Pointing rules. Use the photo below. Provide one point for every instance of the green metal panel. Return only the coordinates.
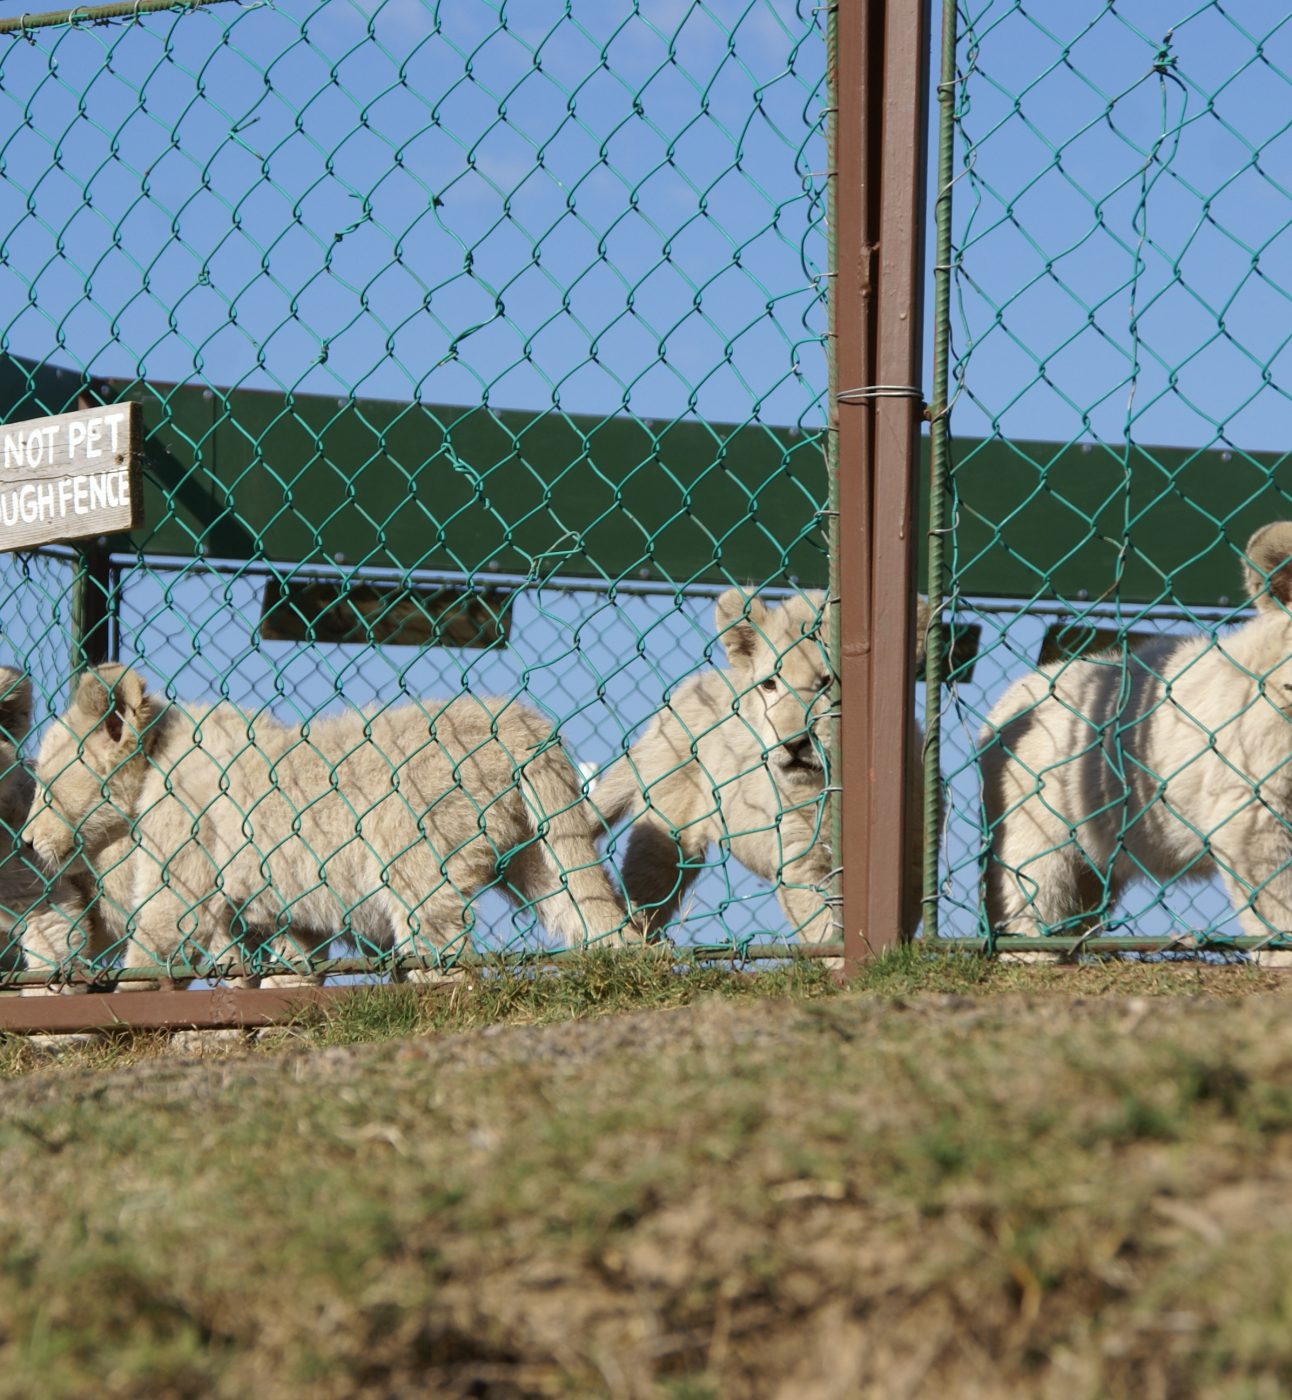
(431, 486)
(1039, 520)
(248, 474)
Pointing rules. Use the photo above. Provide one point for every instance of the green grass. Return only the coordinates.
(593, 984)
(958, 1176)
(603, 982)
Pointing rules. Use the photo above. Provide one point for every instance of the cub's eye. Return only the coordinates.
(823, 682)
(770, 683)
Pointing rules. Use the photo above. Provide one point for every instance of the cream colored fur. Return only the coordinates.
(48, 931)
(1177, 767)
(737, 759)
(400, 816)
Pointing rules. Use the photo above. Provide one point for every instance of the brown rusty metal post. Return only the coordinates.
(878, 71)
(899, 411)
(855, 134)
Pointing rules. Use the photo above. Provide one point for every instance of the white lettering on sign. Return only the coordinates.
(69, 496)
(69, 476)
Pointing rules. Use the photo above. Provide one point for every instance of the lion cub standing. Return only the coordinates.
(1167, 764)
(738, 758)
(390, 822)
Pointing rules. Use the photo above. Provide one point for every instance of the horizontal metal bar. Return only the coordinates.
(760, 952)
(1113, 943)
(220, 1008)
(378, 573)
(97, 14)
(1109, 612)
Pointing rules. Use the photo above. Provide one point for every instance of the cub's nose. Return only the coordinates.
(799, 747)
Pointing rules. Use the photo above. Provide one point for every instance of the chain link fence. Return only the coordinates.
(481, 349)
(1114, 742)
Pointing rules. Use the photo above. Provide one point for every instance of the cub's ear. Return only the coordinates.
(740, 617)
(15, 703)
(1267, 574)
(116, 698)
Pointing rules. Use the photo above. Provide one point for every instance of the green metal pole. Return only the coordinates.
(93, 605)
(835, 811)
(97, 14)
(940, 435)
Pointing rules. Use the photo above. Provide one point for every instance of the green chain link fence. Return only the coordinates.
(480, 348)
(1120, 273)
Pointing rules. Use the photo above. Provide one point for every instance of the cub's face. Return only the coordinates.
(86, 767)
(780, 659)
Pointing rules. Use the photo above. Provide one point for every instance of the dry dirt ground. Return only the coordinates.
(1038, 1187)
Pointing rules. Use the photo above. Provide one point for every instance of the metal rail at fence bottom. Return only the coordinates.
(213, 1008)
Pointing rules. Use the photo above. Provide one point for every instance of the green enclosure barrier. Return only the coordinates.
(247, 474)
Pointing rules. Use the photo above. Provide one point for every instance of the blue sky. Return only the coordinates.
(435, 201)
(1130, 168)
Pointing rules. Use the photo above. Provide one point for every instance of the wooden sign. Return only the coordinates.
(70, 476)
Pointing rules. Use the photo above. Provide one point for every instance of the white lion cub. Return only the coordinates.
(397, 819)
(1176, 766)
(738, 758)
(48, 933)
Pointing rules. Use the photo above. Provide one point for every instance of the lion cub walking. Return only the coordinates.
(1167, 764)
(389, 823)
(738, 758)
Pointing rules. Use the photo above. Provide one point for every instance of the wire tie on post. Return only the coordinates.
(880, 391)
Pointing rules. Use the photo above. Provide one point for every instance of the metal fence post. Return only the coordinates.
(879, 72)
(93, 598)
(940, 447)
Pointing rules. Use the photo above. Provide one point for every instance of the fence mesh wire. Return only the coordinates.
(1121, 272)
(500, 324)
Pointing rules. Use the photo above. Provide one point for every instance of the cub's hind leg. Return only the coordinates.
(659, 866)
